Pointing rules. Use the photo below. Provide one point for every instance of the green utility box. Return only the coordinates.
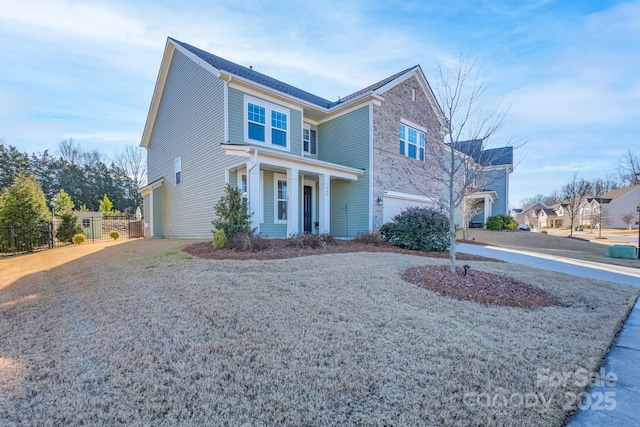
(622, 251)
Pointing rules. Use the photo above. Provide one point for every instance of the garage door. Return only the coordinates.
(392, 206)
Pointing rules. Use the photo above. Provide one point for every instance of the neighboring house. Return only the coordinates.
(527, 215)
(300, 160)
(492, 186)
(620, 202)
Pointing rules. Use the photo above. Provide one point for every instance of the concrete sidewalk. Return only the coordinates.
(614, 398)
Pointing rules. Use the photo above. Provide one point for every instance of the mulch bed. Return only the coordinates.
(479, 286)
(278, 249)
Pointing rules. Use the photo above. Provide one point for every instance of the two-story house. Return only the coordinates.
(304, 163)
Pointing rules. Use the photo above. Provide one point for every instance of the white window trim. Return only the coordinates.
(269, 107)
(307, 126)
(418, 131)
(278, 177)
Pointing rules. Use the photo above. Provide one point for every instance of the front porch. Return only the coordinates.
(286, 194)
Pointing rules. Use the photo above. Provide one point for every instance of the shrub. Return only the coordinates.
(369, 238)
(494, 223)
(309, 240)
(115, 235)
(508, 223)
(544, 232)
(418, 228)
(501, 222)
(231, 210)
(68, 228)
(386, 231)
(247, 242)
(78, 238)
(220, 239)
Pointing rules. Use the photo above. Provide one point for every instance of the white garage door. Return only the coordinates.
(392, 206)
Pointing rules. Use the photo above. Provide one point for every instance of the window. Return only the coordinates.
(309, 145)
(178, 170)
(86, 222)
(280, 207)
(412, 142)
(256, 119)
(278, 128)
(266, 123)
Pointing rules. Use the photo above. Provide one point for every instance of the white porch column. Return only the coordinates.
(253, 188)
(487, 208)
(324, 205)
(293, 189)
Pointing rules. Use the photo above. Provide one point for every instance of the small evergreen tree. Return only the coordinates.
(68, 227)
(63, 203)
(106, 207)
(23, 205)
(232, 215)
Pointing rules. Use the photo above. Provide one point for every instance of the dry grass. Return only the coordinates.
(142, 333)
(550, 244)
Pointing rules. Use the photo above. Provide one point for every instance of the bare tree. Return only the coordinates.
(553, 198)
(628, 219)
(599, 187)
(470, 208)
(133, 163)
(574, 194)
(629, 169)
(70, 152)
(459, 92)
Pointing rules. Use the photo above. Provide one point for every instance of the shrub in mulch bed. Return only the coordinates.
(479, 286)
(283, 248)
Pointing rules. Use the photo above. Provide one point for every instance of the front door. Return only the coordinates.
(307, 209)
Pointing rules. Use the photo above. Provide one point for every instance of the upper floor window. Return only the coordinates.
(309, 142)
(178, 169)
(266, 123)
(412, 142)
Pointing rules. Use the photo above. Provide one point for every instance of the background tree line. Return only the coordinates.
(85, 175)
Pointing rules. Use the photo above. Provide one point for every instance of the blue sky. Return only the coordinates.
(568, 70)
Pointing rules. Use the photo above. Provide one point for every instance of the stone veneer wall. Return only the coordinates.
(392, 171)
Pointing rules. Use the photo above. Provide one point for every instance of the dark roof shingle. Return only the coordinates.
(250, 74)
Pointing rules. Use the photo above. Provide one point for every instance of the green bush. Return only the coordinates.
(232, 215)
(501, 222)
(494, 223)
(220, 239)
(68, 228)
(78, 238)
(369, 238)
(544, 232)
(115, 235)
(386, 231)
(417, 228)
(508, 223)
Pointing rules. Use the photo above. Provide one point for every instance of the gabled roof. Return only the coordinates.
(377, 85)
(614, 194)
(248, 73)
(491, 157)
(320, 106)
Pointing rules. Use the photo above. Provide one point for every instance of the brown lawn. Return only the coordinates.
(140, 332)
